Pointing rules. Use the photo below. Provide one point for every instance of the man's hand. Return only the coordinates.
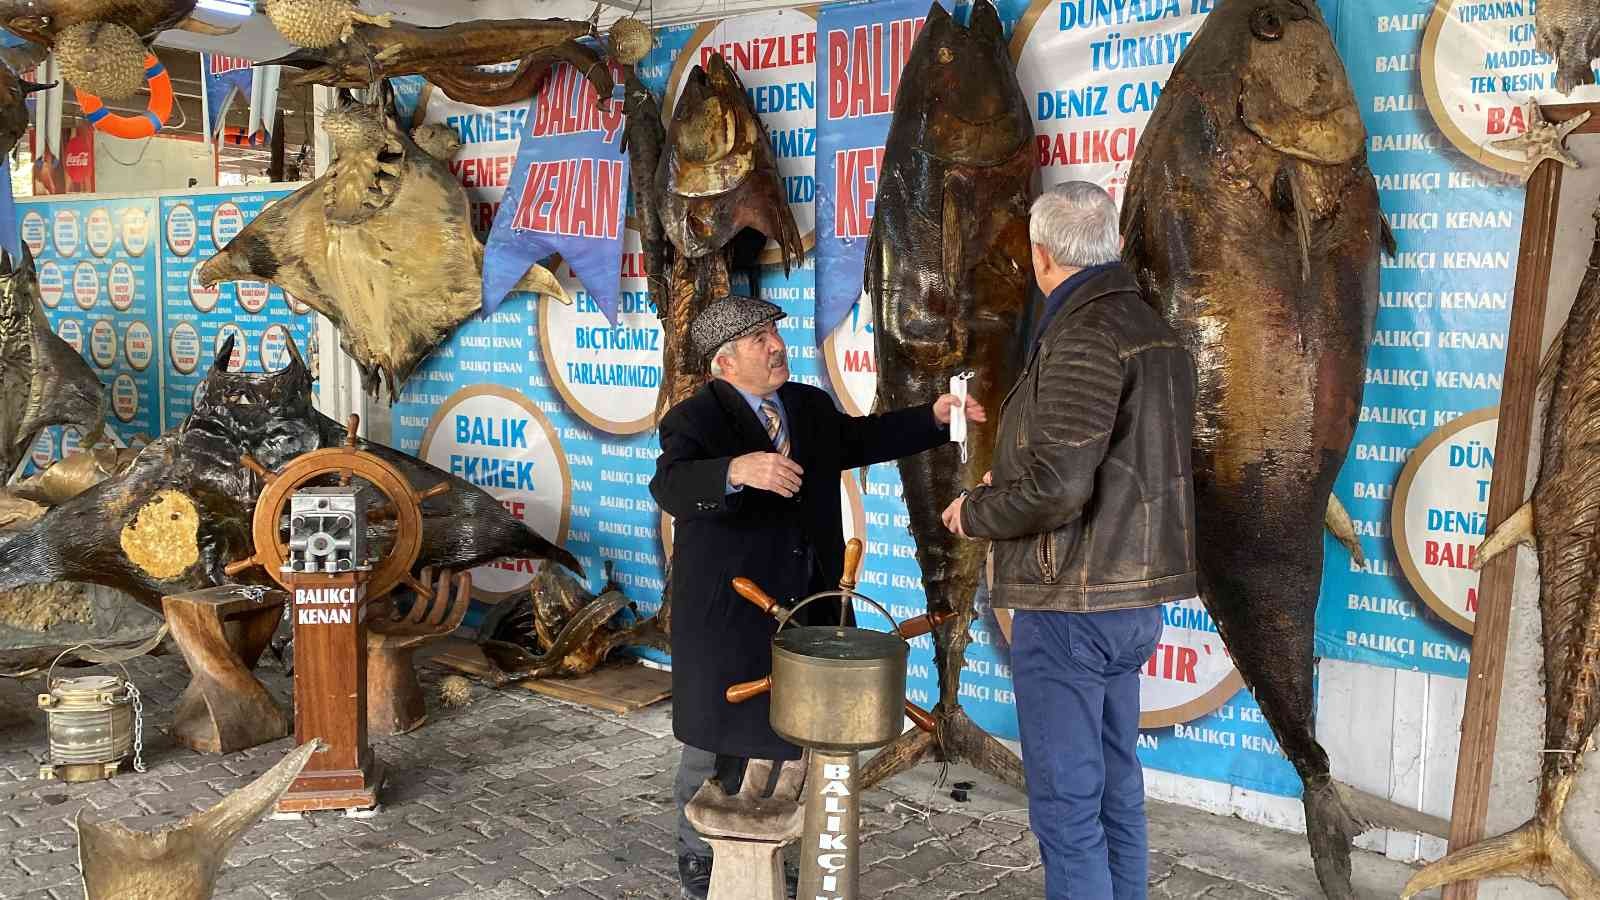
(943, 406)
(952, 516)
(768, 471)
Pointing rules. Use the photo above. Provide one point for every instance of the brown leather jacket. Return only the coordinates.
(1092, 505)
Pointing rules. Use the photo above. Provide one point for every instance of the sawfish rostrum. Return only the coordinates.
(1251, 221)
(948, 271)
(182, 511)
(43, 381)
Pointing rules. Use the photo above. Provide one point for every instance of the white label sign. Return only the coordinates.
(852, 359)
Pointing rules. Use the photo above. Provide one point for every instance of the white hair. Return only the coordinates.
(1076, 222)
(725, 350)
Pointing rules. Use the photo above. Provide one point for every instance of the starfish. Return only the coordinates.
(1542, 140)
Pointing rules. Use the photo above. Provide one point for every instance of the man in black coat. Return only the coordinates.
(749, 471)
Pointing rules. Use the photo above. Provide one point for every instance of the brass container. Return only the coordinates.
(90, 726)
(838, 689)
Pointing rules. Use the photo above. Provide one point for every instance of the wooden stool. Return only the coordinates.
(395, 703)
(747, 831)
(222, 632)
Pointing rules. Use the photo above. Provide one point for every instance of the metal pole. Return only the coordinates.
(830, 850)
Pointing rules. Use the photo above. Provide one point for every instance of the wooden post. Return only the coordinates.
(330, 693)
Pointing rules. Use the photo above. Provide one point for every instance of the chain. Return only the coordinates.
(138, 727)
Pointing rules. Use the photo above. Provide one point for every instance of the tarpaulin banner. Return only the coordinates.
(97, 264)
(567, 193)
(226, 77)
(861, 49)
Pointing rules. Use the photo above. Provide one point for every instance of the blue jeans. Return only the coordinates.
(1076, 677)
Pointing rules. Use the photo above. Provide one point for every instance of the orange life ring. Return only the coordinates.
(133, 127)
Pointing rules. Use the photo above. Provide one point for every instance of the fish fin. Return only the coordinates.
(955, 211)
(1391, 246)
(196, 26)
(1376, 812)
(1538, 851)
(1337, 519)
(1302, 219)
(1516, 529)
(1550, 365)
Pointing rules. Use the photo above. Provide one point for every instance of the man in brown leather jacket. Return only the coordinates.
(1090, 508)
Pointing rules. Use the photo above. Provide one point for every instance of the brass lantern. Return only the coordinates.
(94, 722)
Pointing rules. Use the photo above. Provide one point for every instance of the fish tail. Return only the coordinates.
(1336, 813)
(1538, 851)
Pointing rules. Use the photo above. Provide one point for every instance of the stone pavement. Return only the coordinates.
(520, 796)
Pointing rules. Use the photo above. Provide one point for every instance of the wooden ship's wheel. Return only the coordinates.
(345, 463)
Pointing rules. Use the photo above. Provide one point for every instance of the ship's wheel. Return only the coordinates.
(340, 465)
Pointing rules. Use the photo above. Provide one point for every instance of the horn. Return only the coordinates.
(224, 353)
(29, 87)
(299, 59)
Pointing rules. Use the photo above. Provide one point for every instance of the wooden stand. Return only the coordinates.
(395, 704)
(330, 694)
(222, 632)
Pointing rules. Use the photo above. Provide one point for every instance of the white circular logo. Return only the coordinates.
(275, 348)
(1480, 69)
(498, 440)
(1105, 84)
(852, 359)
(52, 284)
(121, 285)
(71, 441)
(253, 295)
(85, 285)
(183, 348)
(125, 397)
(71, 331)
(774, 54)
(611, 377)
(226, 223)
(295, 306)
(138, 345)
(135, 230)
(99, 233)
(202, 298)
(34, 231)
(103, 343)
(66, 232)
(241, 347)
(182, 229)
(43, 451)
(1439, 514)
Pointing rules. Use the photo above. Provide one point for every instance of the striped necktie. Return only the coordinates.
(775, 432)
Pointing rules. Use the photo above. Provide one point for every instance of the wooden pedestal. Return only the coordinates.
(330, 694)
(222, 632)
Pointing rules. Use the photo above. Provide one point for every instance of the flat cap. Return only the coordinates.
(729, 319)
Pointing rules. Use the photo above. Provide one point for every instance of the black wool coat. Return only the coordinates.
(791, 547)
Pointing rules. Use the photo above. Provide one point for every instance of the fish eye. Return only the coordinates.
(946, 55)
(1265, 24)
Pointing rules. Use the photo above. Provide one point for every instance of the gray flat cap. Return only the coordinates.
(729, 319)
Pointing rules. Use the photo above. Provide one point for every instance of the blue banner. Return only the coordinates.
(225, 78)
(567, 194)
(863, 47)
(96, 263)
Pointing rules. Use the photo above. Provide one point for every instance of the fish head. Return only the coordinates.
(1293, 91)
(19, 284)
(356, 128)
(711, 140)
(256, 407)
(962, 82)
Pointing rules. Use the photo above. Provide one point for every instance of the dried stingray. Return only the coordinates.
(72, 475)
(1564, 515)
(381, 244)
(179, 862)
(182, 511)
(43, 381)
(449, 57)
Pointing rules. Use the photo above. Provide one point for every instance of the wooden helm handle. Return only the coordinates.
(739, 693)
(747, 589)
(920, 717)
(923, 624)
(853, 551)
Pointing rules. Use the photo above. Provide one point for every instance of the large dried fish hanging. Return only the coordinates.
(101, 44)
(381, 244)
(182, 512)
(720, 197)
(43, 381)
(14, 118)
(450, 56)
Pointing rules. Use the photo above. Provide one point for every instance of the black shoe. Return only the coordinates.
(694, 873)
(791, 881)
